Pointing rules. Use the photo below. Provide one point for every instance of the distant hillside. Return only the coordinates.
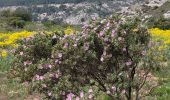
(157, 12)
(80, 11)
(37, 2)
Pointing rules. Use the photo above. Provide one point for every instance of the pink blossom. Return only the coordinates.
(101, 33)
(69, 96)
(50, 66)
(77, 98)
(106, 39)
(128, 63)
(113, 88)
(66, 45)
(108, 24)
(56, 61)
(39, 77)
(124, 49)
(113, 33)
(49, 93)
(27, 63)
(81, 94)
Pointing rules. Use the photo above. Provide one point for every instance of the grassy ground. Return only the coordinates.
(10, 89)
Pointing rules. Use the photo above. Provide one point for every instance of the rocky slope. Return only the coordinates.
(79, 13)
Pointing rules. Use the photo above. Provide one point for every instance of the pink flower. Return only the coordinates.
(113, 33)
(106, 39)
(56, 61)
(77, 98)
(108, 24)
(39, 77)
(66, 45)
(101, 33)
(128, 63)
(81, 94)
(124, 49)
(113, 89)
(27, 63)
(49, 93)
(69, 96)
(49, 66)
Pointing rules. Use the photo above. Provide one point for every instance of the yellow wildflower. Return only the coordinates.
(161, 35)
(68, 31)
(4, 53)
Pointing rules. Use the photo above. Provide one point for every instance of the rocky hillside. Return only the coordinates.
(81, 12)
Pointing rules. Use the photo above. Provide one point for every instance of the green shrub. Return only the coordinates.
(161, 23)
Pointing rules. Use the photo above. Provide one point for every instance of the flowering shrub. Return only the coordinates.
(3, 53)
(161, 36)
(28, 55)
(69, 30)
(8, 40)
(109, 56)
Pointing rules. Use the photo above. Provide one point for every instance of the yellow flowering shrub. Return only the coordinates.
(162, 36)
(9, 40)
(4, 53)
(69, 30)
